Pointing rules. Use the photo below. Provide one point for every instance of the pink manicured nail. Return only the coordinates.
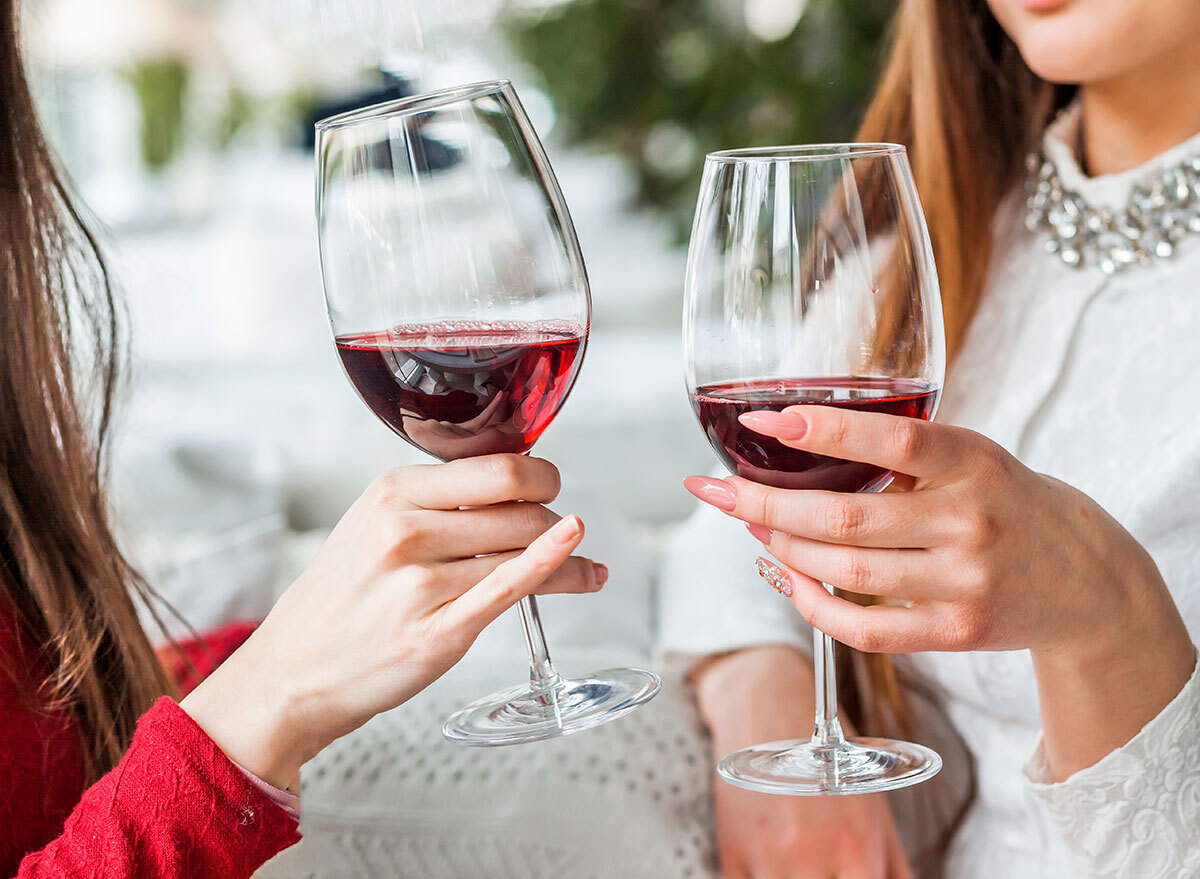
(783, 425)
(601, 573)
(761, 534)
(717, 492)
(776, 576)
(566, 530)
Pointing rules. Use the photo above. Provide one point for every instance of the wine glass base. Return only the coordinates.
(520, 715)
(858, 766)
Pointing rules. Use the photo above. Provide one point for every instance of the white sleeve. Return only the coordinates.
(711, 598)
(1136, 813)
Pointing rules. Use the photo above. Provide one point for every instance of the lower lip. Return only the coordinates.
(1042, 5)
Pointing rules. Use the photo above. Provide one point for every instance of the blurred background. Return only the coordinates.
(187, 128)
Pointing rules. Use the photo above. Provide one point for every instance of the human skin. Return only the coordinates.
(414, 571)
(1119, 52)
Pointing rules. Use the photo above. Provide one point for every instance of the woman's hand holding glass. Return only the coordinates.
(980, 553)
(414, 571)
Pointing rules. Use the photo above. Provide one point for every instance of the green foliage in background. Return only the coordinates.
(161, 88)
(662, 82)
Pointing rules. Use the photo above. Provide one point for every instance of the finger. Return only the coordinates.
(467, 482)
(907, 574)
(906, 445)
(518, 577)
(877, 628)
(897, 520)
(460, 534)
(576, 576)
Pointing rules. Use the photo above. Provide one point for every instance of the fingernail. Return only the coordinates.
(761, 534)
(566, 530)
(601, 573)
(782, 425)
(717, 492)
(776, 576)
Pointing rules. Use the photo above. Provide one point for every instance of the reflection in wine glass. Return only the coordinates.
(811, 282)
(460, 310)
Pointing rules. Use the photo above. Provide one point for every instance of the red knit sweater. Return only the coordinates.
(174, 806)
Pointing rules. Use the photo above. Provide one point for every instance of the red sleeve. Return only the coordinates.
(175, 806)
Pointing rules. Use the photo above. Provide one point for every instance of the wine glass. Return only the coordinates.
(460, 309)
(811, 280)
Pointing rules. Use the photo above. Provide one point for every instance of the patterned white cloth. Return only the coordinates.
(1085, 377)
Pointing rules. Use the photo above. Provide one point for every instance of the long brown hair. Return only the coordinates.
(956, 92)
(62, 576)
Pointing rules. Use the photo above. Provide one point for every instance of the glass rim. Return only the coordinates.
(412, 104)
(815, 152)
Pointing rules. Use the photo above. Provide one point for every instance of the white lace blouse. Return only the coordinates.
(1086, 377)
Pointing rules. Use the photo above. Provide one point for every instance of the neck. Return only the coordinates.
(1129, 120)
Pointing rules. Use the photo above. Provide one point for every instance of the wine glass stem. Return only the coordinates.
(827, 731)
(542, 676)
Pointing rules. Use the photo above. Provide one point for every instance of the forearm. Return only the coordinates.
(1098, 693)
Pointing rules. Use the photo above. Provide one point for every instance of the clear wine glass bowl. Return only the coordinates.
(460, 309)
(811, 281)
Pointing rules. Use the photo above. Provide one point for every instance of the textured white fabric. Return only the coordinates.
(1087, 378)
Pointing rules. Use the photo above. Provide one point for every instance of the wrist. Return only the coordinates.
(754, 695)
(1140, 624)
(1099, 689)
(253, 720)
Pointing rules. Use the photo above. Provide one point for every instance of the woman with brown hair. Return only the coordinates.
(102, 773)
(1052, 617)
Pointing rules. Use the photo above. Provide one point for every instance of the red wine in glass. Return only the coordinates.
(457, 389)
(765, 460)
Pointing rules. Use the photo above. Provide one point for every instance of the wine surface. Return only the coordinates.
(464, 388)
(767, 461)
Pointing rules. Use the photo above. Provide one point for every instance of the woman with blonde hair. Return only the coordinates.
(1042, 564)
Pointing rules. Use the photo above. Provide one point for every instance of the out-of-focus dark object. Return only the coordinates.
(662, 82)
(433, 153)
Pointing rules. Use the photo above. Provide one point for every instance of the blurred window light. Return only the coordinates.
(687, 56)
(772, 20)
(670, 148)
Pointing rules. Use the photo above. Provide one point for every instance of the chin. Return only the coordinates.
(1072, 42)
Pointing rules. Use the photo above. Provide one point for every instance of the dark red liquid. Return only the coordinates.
(767, 461)
(459, 389)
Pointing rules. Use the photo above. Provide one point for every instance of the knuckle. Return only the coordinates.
(845, 520)
(766, 506)
(424, 580)
(980, 527)
(837, 431)
(582, 578)
(385, 489)
(864, 638)
(402, 534)
(908, 439)
(968, 630)
(856, 574)
(504, 471)
(531, 520)
(508, 588)
(993, 460)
